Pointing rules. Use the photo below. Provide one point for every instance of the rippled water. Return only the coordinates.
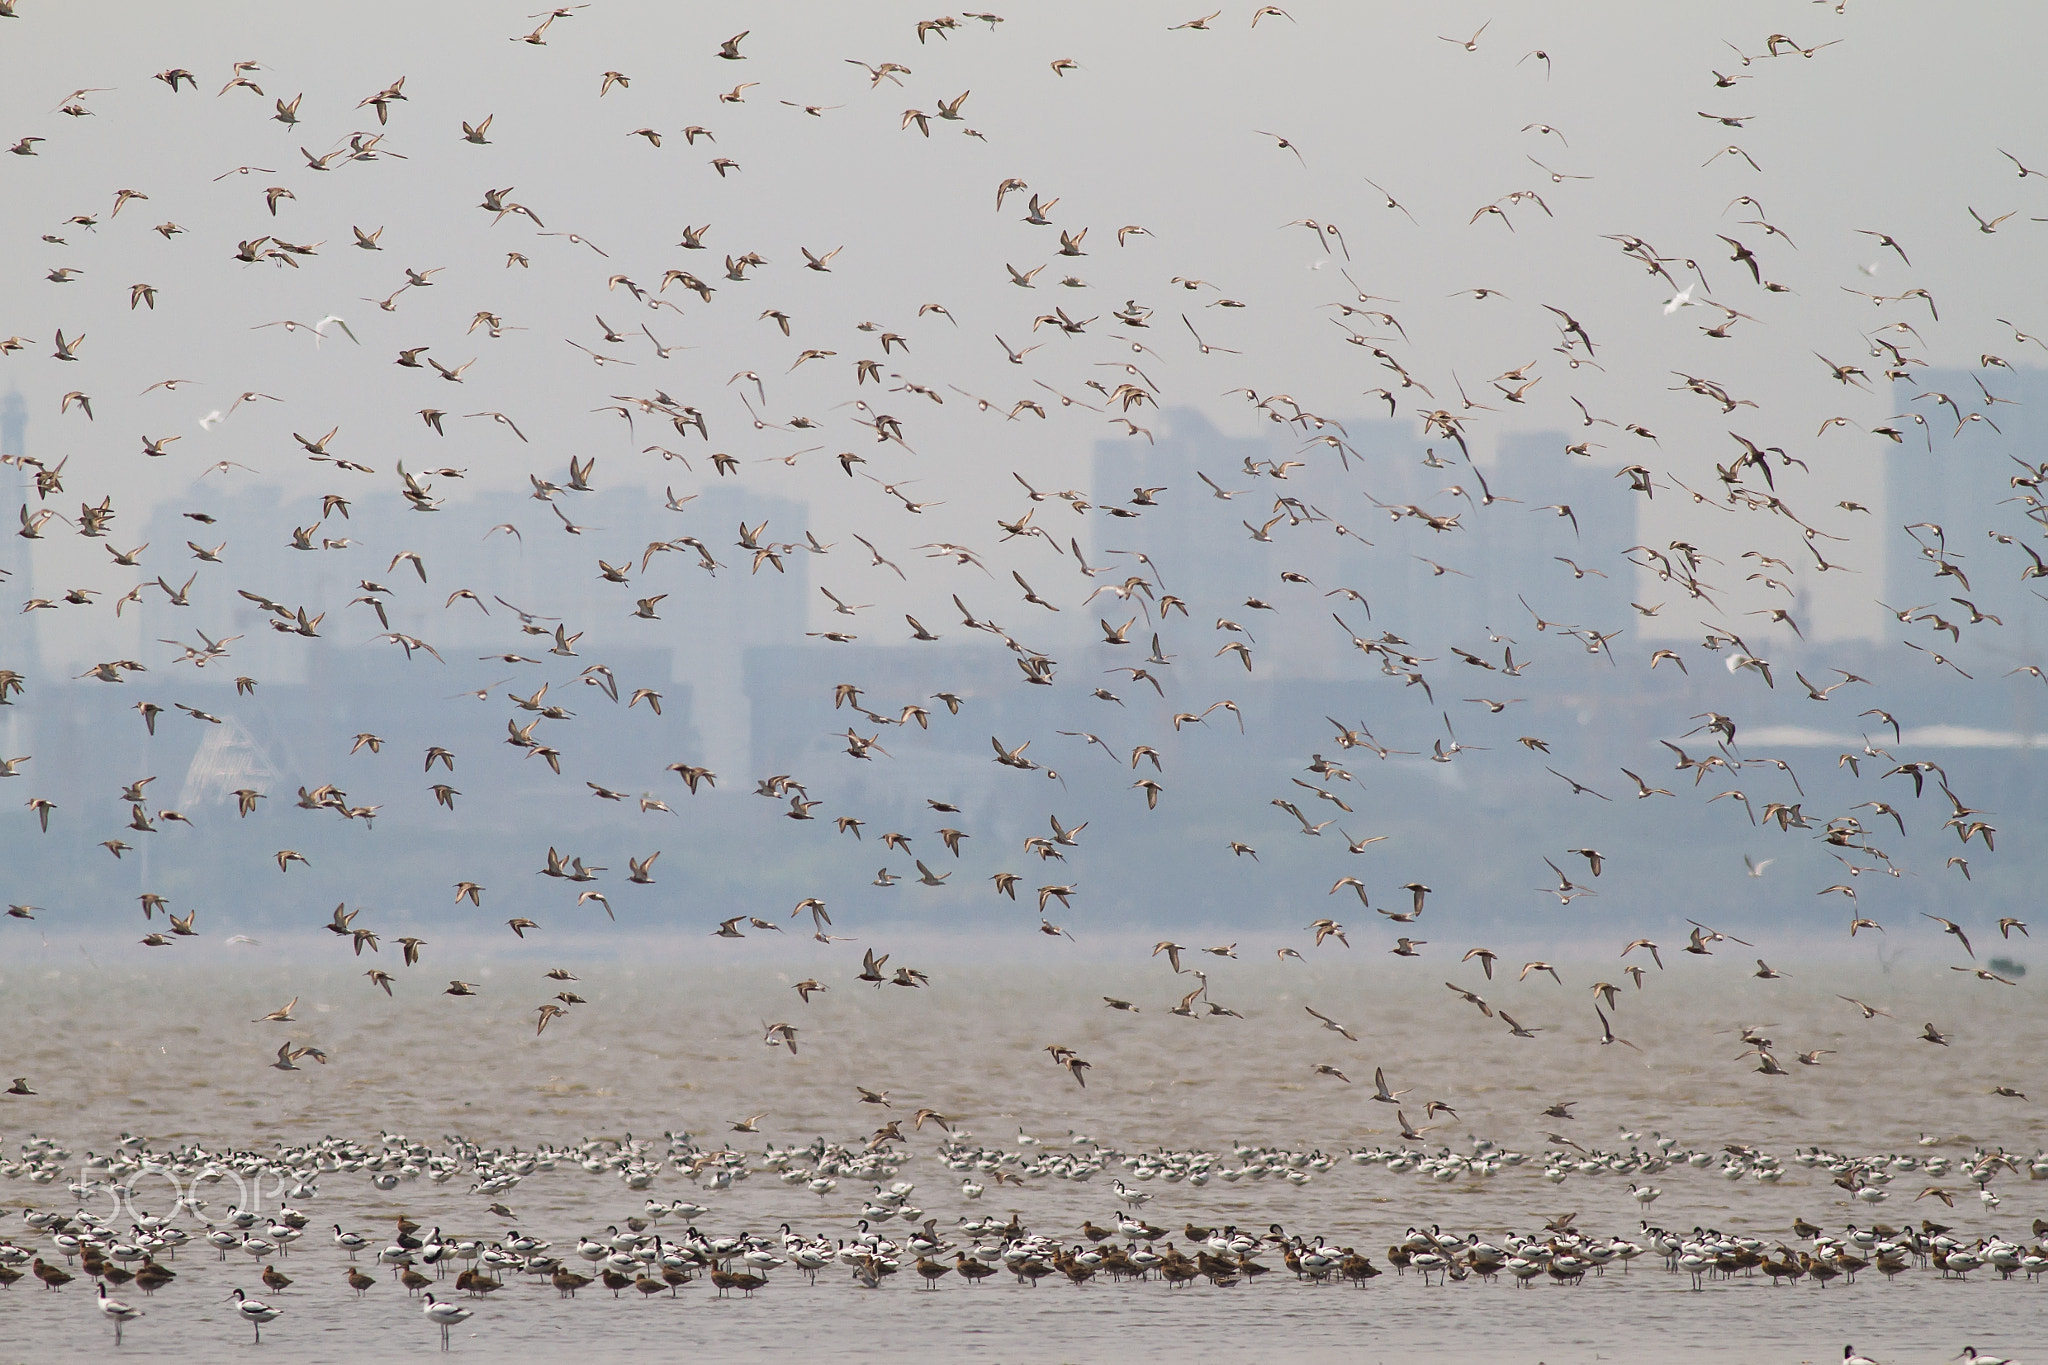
(668, 1046)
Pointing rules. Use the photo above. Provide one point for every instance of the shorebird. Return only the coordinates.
(445, 1315)
(255, 1312)
(116, 1312)
(1331, 1024)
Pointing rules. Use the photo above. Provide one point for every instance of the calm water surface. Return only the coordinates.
(664, 1046)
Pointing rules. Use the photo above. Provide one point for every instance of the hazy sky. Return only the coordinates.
(1882, 130)
(1880, 119)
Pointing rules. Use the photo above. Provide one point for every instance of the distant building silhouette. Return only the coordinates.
(228, 758)
(1949, 480)
(13, 424)
(1497, 543)
(17, 565)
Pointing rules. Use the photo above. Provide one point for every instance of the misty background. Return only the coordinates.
(1882, 130)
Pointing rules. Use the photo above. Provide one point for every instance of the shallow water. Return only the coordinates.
(665, 1046)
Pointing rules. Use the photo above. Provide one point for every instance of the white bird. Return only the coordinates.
(255, 1312)
(1738, 660)
(320, 329)
(445, 1315)
(121, 1313)
(1682, 299)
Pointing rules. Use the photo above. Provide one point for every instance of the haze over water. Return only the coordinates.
(681, 1053)
(575, 581)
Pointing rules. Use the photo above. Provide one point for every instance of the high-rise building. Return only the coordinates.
(19, 651)
(751, 603)
(1964, 436)
(13, 424)
(1489, 537)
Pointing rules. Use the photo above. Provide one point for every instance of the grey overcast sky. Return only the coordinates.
(1704, 192)
(1895, 125)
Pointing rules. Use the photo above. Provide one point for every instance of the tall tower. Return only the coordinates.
(16, 567)
(1954, 483)
(18, 646)
(13, 422)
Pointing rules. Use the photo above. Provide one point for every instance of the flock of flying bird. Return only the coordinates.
(1117, 391)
